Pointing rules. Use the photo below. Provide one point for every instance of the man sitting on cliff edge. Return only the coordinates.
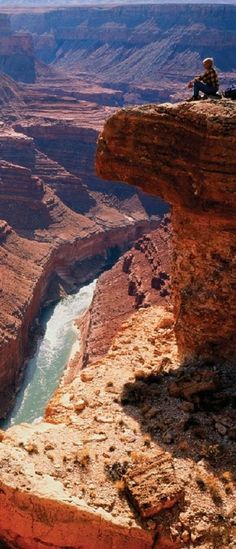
(207, 82)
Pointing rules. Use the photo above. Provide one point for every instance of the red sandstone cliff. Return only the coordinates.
(138, 450)
(40, 234)
(139, 279)
(197, 178)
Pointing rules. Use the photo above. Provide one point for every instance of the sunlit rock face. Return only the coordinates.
(136, 43)
(185, 153)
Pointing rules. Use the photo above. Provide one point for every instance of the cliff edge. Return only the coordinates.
(138, 449)
(185, 153)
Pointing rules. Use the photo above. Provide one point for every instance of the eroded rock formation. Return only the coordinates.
(153, 44)
(148, 52)
(138, 280)
(185, 153)
(137, 449)
(16, 52)
(43, 233)
(125, 458)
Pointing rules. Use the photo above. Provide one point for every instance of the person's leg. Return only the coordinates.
(205, 88)
(196, 88)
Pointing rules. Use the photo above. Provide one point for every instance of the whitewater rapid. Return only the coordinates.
(54, 349)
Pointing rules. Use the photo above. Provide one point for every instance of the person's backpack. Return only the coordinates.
(230, 93)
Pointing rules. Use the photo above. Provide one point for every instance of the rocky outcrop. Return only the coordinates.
(43, 232)
(138, 448)
(10, 96)
(136, 451)
(186, 154)
(16, 52)
(17, 148)
(21, 198)
(138, 280)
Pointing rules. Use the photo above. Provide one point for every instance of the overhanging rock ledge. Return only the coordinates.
(185, 153)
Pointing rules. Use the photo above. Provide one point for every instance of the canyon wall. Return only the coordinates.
(137, 449)
(54, 211)
(147, 51)
(16, 52)
(185, 154)
(9, 93)
(41, 237)
(139, 279)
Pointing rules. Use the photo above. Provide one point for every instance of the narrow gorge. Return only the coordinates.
(138, 447)
(59, 227)
(133, 380)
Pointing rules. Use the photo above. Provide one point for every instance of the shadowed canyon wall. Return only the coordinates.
(148, 52)
(16, 52)
(135, 450)
(137, 415)
(185, 154)
(50, 220)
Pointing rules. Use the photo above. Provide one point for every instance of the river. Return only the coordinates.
(53, 352)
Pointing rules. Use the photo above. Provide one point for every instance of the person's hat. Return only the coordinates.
(209, 60)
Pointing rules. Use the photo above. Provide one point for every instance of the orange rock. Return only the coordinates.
(185, 153)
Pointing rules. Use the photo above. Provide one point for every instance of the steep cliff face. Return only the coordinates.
(138, 448)
(40, 235)
(9, 92)
(21, 198)
(138, 280)
(129, 45)
(16, 52)
(185, 154)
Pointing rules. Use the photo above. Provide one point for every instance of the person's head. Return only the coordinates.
(208, 63)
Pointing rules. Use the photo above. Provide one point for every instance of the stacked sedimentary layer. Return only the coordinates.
(40, 236)
(17, 148)
(139, 279)
(65, 132)
(120, 43)
(9, 90)
(16, 52)
(21, 198)
(186, 154)
(138, 449)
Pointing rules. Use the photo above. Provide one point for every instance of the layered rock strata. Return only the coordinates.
(41, 238)
(9, 93)
(185, 153)
(117, 44)
(135, 452)
(16, 52)
(46, 162)
(138, 280)
(138, 449)
(29, 265)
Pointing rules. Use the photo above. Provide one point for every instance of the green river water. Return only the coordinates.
(54, 349)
